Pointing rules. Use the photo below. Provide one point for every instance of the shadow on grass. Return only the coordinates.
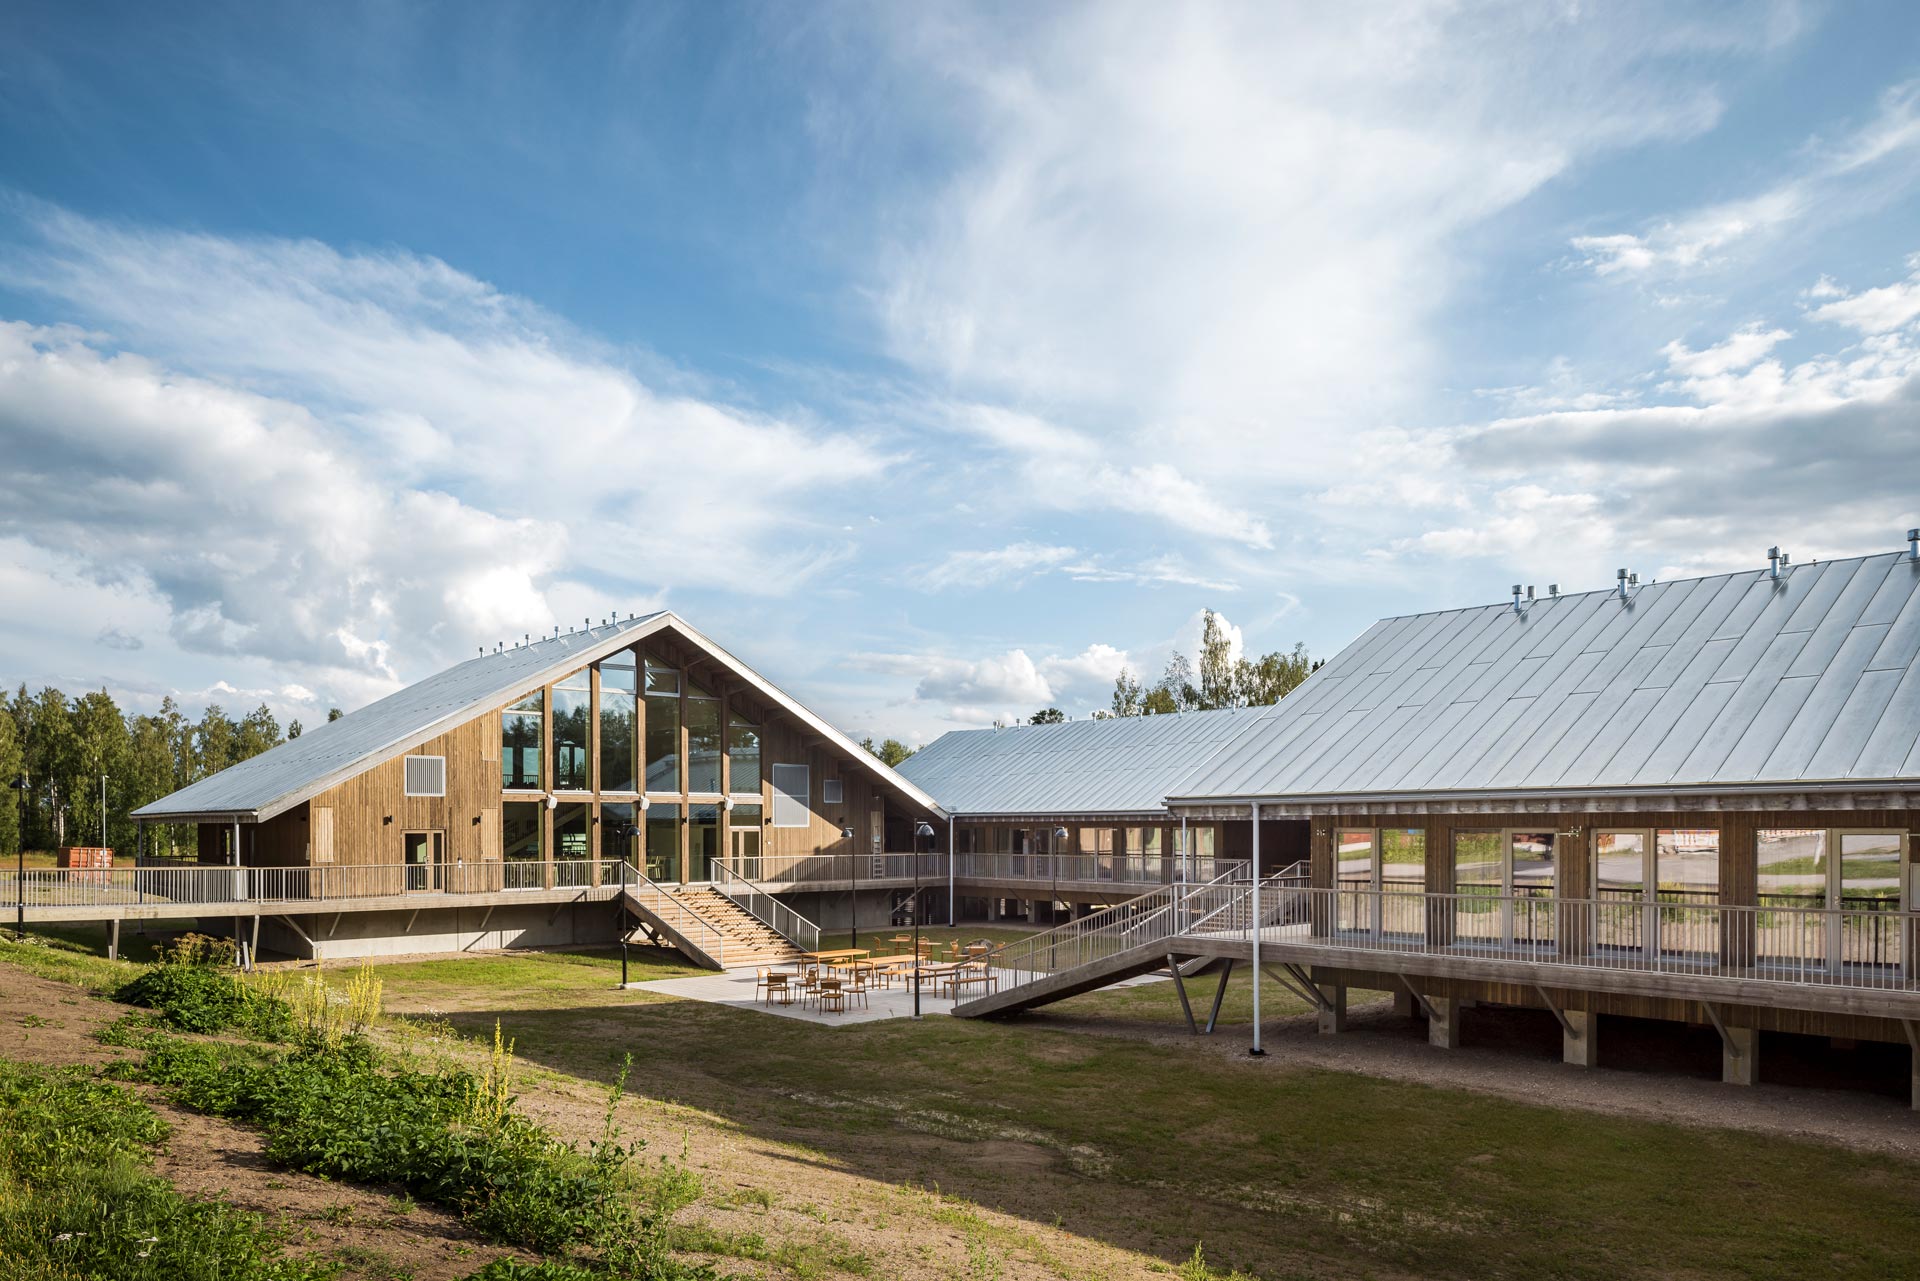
(1279, 1170)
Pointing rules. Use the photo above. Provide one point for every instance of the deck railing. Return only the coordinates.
(198, 885)
(1089, 869)
(1869, 947)
(770, 911)
(1223, 904)
(786, 871)
(662, 901)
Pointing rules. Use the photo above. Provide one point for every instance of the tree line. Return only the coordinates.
(1222, 680)
(63, 746)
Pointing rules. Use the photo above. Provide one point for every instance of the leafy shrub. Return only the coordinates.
(75, 1200)
(343, 1113)
(546, 1270)
(203, 998)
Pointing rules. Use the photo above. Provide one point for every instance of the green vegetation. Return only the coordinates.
(1160, 1146)
(341, 1110)
(76, 1200)
(200, 998)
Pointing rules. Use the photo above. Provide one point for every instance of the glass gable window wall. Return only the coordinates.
(520, 743)
(703, 741)
(663, 728)
(619, 723)
(743, 750)
(521, 845)
(663, 843)
(572, 712)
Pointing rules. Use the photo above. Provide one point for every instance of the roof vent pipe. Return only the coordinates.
(1773, 561)
(1529, 593)
(1913, 544)
(1620, 582)
(1553, 589)
(1516, 599)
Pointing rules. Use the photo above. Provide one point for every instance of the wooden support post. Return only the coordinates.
(113, 941)
(1443, 1021)
(1405, 1006)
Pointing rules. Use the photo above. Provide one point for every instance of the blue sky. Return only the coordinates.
(938, 360)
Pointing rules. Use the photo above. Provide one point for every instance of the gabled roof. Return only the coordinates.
(274, 781)
(1125, 765)
(1731, 681)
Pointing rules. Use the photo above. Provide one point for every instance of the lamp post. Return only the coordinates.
(20, 858)
(1053, 866)
(920, 830)
(853, 912)
(629, 831)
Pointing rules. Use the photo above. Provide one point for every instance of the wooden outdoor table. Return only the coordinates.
(837, 953)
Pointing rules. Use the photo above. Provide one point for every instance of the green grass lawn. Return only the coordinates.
(1284, 1171)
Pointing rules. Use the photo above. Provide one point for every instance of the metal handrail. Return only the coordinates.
(198, 885)
(1157, 915)
(704, 935)
(1875, 948)
(770, 911)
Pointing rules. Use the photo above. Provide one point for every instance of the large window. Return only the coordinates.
(663, 843)
(663, 728)
(520, 744)
(703, 741)
(744, 823)
(790, 792)
(743, 747)
(520, 844)
(617, 841)
(619, 723)
(572, 716)
(703, 841)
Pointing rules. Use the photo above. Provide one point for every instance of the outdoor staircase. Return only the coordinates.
(1124, 941)
(709, 927)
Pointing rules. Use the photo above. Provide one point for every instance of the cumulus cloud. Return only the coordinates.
(1742, 449)
(1006, 687)
(1871, 311)
(306, 454)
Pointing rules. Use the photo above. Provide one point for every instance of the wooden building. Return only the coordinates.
(1695, 801)
(508, 800)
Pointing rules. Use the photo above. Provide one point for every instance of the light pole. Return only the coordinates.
(920, 830)
(1053, 866)
(630, 831)
(846, 834)
(20, 858)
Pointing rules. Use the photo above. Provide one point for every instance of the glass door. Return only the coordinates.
(1625, 918)
(424, 857)
(1503, 887)
(1864, 887)
(703, 841)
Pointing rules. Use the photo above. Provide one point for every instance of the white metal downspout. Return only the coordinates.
(950, 871)
(1256, 1051)
(1186, 873)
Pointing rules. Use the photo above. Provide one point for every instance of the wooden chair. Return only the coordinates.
(857, 990)
(776, 985)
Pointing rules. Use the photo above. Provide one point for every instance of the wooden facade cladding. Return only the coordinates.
(371, 811)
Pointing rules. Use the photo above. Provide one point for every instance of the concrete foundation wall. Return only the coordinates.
(447, 930)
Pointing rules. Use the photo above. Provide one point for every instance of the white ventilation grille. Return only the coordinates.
(790, 784)
(830, 792)
(426, 776)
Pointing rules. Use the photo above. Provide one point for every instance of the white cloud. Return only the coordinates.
(1872, 311)
(1830, 181)
(1007, 687)
(974, 569)
(358, 466)
(1212, 232)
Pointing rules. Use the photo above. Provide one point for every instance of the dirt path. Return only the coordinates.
(377, 1235)
(1516, 1055)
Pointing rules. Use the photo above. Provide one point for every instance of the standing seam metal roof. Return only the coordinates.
(276, 780)
(1122, 765)
(1735, 679)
